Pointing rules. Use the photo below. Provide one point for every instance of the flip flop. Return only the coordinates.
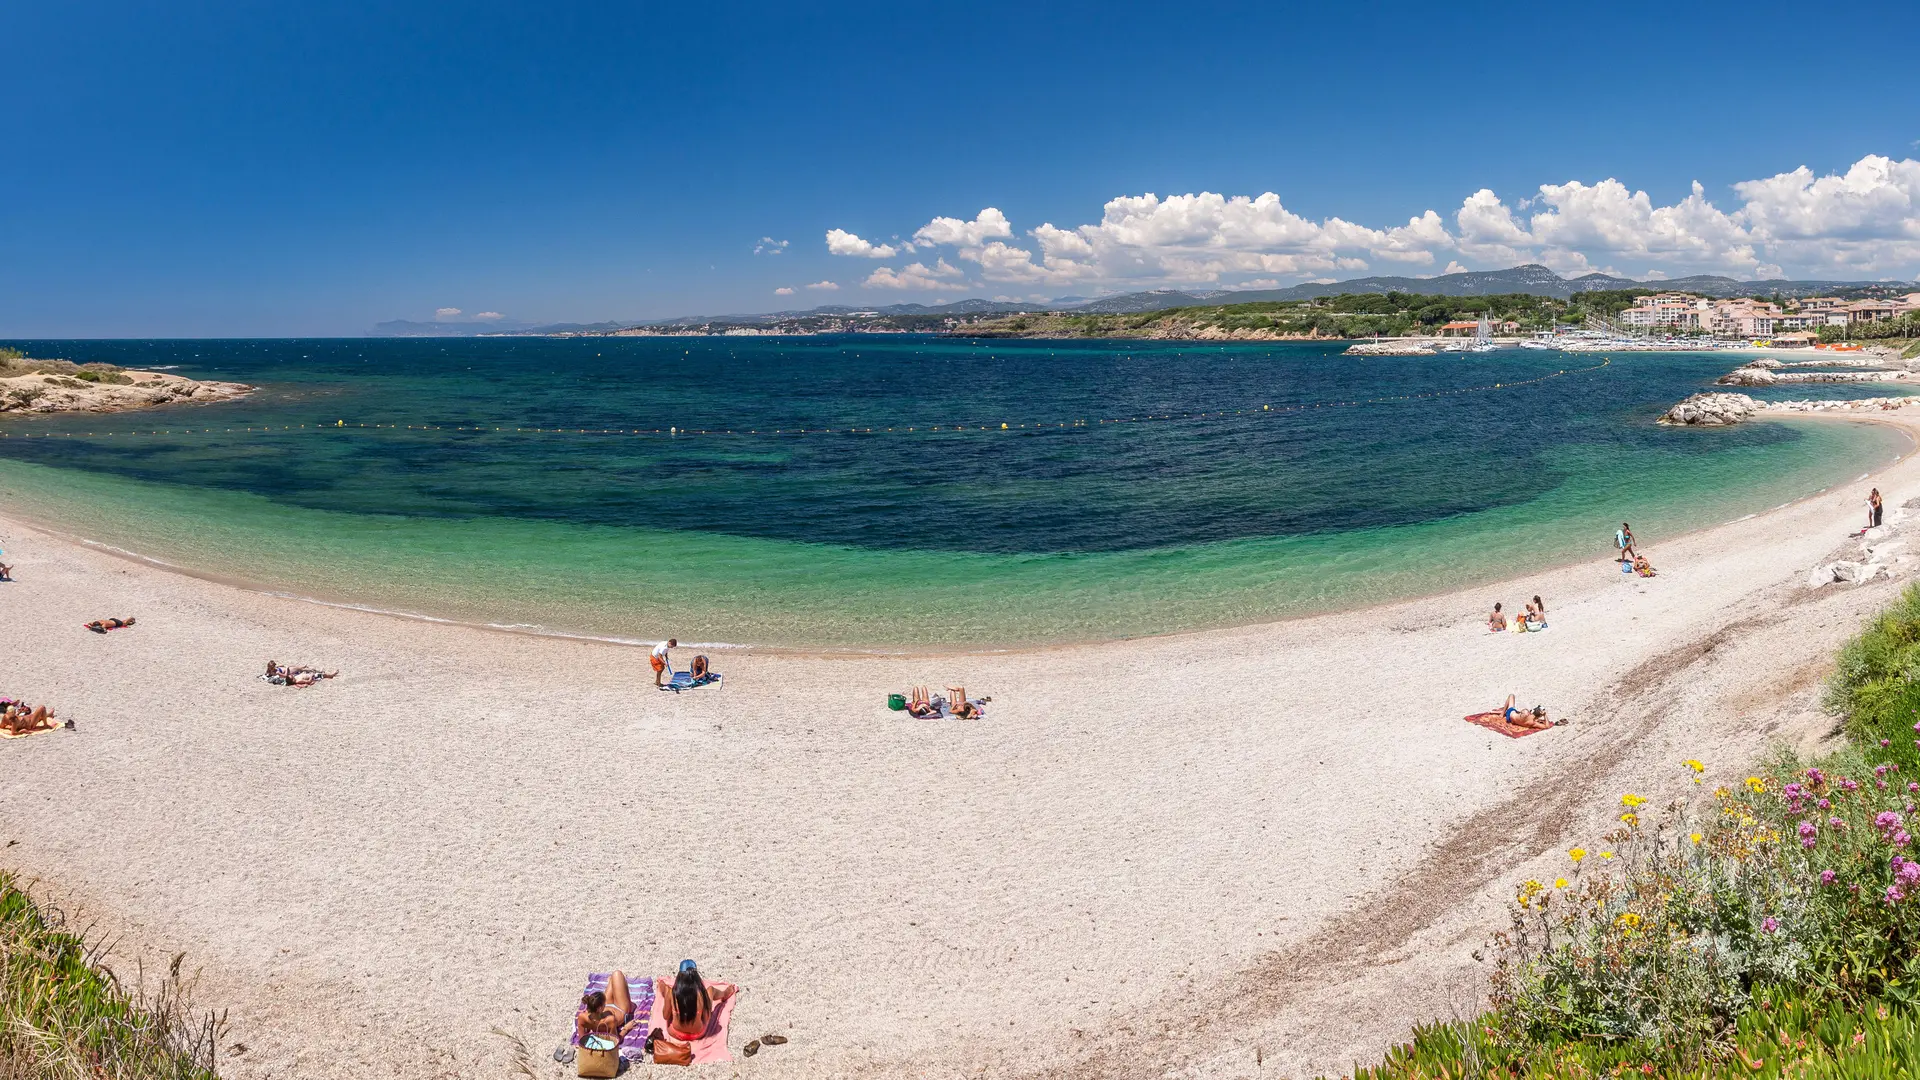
(750, 1049)
(564, 1054)
(773, 1040)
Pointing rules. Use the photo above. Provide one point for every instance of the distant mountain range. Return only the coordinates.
(1533, 279)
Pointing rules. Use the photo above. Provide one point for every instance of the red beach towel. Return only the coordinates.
(1497, 721)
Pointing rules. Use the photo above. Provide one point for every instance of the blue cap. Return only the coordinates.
(688, 965)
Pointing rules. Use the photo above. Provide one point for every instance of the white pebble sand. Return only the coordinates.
(1253, 852)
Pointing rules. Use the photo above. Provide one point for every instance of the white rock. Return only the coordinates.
(1820, 575)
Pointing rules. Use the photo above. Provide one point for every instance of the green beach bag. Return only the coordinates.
(897, 702)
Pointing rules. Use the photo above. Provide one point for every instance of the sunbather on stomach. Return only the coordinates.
(608, 1015)
(687, 1005)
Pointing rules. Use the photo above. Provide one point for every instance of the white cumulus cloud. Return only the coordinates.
(446, 312)
(783, 291)
(842, 242)
(769, 246)
(824, 286)
(915, 276)
(489, 316)
(1862, 223)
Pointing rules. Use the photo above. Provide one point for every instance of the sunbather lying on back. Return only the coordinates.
(961, 707)
(1644, 568)
(920, 704)
(101, 626)
(1535, 717)
(608, 1015)
(18, 720)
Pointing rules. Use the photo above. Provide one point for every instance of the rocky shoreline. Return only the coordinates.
(1722, 408)
(91, 389)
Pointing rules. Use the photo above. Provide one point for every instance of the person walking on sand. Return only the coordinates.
(1624, 541)
(1874, 509)
(659, 659)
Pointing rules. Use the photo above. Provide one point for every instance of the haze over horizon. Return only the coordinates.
(235, 170)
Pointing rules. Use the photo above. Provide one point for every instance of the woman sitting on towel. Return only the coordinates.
(101, 626)
(1537, 613)
(1535, 718)
(1497, 620)
(688, 1004)
(608, 1015)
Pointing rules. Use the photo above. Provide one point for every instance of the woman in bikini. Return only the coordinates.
(687, 1004)
(101, 626)
(1539, 614)
(608, 1015)
(1497, 620)
(920, 704)
(19, 720)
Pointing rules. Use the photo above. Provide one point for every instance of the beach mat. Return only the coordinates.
(633, 1046)
(27, 734)
(683, 680)
(1496, 721)
(710, 1048)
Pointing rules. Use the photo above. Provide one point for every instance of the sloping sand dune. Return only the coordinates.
(1254, 852)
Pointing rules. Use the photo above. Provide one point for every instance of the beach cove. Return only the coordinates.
(1252, 851)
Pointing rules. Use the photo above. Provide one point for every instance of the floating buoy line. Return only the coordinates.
(1252, 411)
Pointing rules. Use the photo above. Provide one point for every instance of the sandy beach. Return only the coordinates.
(1262, 851)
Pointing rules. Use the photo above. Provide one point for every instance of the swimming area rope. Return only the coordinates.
(1252, 411)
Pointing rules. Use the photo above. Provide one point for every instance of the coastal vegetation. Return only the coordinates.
(1769, 929)
(1349, 315)
(1902, 333)
(64, 1015)
(14, 363)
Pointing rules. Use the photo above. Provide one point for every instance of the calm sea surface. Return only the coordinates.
(1065, 528)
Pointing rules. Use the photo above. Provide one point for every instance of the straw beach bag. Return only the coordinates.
(596, 1061)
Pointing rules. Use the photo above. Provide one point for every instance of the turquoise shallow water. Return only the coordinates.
(970, 538)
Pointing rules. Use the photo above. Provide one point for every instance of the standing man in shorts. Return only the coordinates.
(659, 658)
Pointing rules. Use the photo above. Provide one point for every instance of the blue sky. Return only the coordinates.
(281, 169)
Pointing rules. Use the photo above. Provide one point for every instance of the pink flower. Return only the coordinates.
(1809, 834)
(1826, 804)
(1886, 742)
(1769, 926)
(1826, 877)
(1913, 786)
(1894, 895)
(1908, 873)
(1848, 785)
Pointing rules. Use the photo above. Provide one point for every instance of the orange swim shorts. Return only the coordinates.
(658, 664)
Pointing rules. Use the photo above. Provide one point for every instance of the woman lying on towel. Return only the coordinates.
(963, 707)
(920, 704)
(18, 719)
(101, 626)
(1644, 568)
(281, 675)
(687, 1005)
(608, 1015)
(1535, 718)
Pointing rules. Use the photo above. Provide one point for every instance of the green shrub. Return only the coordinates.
(64, 1016)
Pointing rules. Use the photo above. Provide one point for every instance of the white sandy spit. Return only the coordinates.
(1252, 852)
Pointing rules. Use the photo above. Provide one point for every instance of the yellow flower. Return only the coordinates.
(1721, 793)
(1630, 800)
(1694, 765)
(1577, 854)
(1606, 854)
(1695, 837)
(1627, 921)
(1756, 785)
(1559, 883)
(1632, 819)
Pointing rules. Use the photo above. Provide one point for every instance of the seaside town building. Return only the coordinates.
(1759, 318)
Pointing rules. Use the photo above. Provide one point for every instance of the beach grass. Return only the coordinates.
(1771, 928)
(65, 1015)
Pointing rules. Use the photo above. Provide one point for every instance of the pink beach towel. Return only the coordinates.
(708, 1048)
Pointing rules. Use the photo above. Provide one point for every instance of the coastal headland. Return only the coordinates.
(1244, 852)
(30, 386)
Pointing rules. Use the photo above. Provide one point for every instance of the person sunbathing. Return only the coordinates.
(19, 720)
(1644, 568)
(687, 1004)
(920, 704)
(608, 1015)
(1535, 718)
(1538, 612)
(1497, 620)
(963, 708)
(6, 572)
(101, 626)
